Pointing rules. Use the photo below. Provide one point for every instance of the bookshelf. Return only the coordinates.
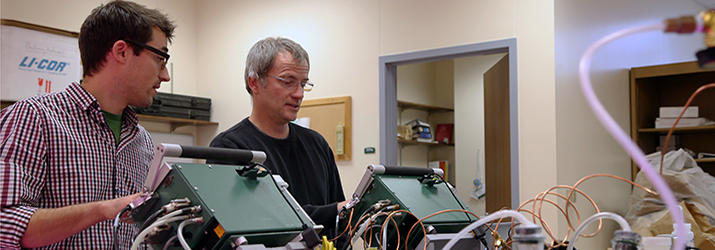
(671, 85)
(434, 151)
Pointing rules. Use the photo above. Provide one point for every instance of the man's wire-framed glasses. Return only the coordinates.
(164, 56)
(292, 84)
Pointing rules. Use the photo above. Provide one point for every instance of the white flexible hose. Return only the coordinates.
(167, 216)
(138, 240)
(180, 232)
(622, 222)
(484, 220)
(621, 137)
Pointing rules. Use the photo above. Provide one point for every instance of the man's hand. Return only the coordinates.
(50, 225)
(112, 207)
(342, 204)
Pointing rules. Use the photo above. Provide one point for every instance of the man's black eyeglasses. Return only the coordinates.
(164, 55)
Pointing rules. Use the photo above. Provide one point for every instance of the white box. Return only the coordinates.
(684, 122)
(674, 112)
(657, 243)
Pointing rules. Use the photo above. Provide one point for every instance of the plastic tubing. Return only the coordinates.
(138, 240)
(180, 232)
(621, 137)
(484, 220)
(161, 220)
(622, 222)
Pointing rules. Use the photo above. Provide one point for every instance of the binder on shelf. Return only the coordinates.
(420, 129)
(706, 156)
(443, 133)
(684, 122)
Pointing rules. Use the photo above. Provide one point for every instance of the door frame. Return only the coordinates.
(388, 96)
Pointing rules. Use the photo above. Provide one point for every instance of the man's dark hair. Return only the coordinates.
(115, 21)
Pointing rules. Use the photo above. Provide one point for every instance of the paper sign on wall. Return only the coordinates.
(35, 63)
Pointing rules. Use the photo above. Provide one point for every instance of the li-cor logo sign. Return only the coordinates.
(43, 65)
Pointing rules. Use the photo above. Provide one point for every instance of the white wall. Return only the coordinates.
(416, 83)
(69, 15)
(584, 147)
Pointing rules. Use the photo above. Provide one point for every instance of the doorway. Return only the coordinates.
(389, 148)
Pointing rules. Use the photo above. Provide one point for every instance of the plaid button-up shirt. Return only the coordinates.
(57, 150)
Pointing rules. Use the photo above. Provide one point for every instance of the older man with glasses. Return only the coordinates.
(71, 161)
(276, 77)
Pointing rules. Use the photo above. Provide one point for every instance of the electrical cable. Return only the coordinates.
(622, 222)
(357, 225)
(115, 227)
(594, 204)
(484, 220)
(369, 223)
(543, 223)
(151, 217)
(168, 243)
(180, 231)
(384, 230)
(138, 240)
(346, 227)
(168, 216)
(621, 137)
(542, 197)
(455, 197)
(430, 216)
(566, 212)
(353, 237)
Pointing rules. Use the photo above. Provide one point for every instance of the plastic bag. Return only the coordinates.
(693, 188)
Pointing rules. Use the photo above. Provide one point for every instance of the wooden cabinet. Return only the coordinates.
(671, 85)
(174, 122)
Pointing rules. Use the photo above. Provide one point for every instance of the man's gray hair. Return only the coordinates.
(262, 55)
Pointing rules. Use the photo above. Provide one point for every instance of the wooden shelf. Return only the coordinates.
(671, 85)
(174, 122)
(423, 143)
(698, 129)
(709, 160)
(667, 70)
(428, 108)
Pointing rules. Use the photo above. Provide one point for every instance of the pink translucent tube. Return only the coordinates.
(621, 137)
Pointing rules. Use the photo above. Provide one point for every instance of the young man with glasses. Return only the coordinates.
(276, 77)
(70, 161)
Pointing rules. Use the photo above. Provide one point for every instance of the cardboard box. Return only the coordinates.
(404, 132)
(674, 112)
